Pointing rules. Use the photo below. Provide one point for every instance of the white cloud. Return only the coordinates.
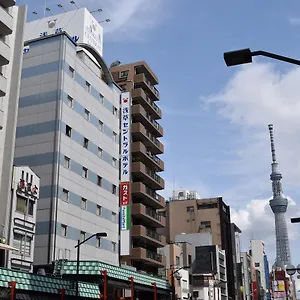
(257, 95)
(294, 21)
(129, 18)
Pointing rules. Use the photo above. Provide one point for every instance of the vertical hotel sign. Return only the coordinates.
(125, 201)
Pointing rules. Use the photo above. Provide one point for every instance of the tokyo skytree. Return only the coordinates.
(279, 205)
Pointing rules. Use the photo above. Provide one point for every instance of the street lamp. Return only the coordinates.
(98, 235)
(295, 220)
(244, 56)
(106, 20)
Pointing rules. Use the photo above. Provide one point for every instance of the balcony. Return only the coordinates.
(4, 53)
(148, 215)
(145, 69)
(6, 22)
(147, 195)
(139, 114)
(140, 81)
(3, 86)
(147, 176)
(151, 237)
(148, 257)
(140, 134)
(140, 97)
(7, 3)
(140, 153)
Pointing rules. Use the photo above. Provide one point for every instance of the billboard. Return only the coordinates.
(80, 24)
(125, 201)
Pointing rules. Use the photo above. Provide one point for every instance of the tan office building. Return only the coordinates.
(140, 80)
(199, 216)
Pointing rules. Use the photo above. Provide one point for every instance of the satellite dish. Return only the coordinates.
(115, 63)
(289, 271)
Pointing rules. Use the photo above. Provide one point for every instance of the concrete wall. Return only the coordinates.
(48, 82)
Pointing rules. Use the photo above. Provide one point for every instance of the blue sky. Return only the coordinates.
(215, 118)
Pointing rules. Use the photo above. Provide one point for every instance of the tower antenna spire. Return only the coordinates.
(279, 205)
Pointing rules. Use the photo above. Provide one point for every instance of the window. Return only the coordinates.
(177, 261)
(24, 205)
(99, 180)
(64, 230)
(115, 111)
(114, 136)
(67, 162)
(99, 210)
(113, 246)
(82, 235)
(31, 179)
(65, 195)
(85, 143)
(189, 260)
(83, 203)
(86, 114)
(113, 217)
(71, 72)
(98, 242)
(68, 131)
(84, 172)
(101, 125)
(100, 152)
(205, 224)
(114, 189)
(22, 176)
(30, 207)
(70, 101)
(87, 86)
(114, 162)
(124, 73)
(257, 264)
(101, 97)
(21, 205)
(190, 208)
(22, 243)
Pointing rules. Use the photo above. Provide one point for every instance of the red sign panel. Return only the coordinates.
(124, 194)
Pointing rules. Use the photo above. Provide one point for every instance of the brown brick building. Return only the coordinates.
(140, 80)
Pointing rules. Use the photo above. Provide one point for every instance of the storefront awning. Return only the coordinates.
(7, 247)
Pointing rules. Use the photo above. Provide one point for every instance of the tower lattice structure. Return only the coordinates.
(279, 206)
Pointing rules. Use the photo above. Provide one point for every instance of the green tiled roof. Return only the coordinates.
(114, 272)
(46, 284)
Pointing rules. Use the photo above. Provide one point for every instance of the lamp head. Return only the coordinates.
(238, 57)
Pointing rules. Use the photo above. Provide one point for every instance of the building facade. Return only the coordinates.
(68, 133)
(138, 79)
(12, 20)
(246, 276)
(209, 273)
(258, 261)
(24, 199)
(209, 215)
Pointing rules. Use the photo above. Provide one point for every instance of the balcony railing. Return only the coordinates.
(154, 256)
(151, 87)
(152, 138)
(149, 117)
(153, 175)
(153, 194)
(154, 235)
(154, 157)
(152, 213)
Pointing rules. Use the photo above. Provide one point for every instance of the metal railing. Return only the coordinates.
(153, 214)
(154, 235)
(153, 139)
(152, 174)
(154, 256)
(153, 194)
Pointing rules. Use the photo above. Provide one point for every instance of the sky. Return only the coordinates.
(216, 118)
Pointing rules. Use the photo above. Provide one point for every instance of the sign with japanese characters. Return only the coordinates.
(125, 201)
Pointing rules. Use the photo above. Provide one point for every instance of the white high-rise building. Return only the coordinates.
(12, 20)
(68, 133)
(258, 260)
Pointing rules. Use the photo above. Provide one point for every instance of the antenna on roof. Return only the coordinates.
(73, 2)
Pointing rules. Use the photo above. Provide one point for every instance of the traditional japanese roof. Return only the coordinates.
(68, 267)
(46, 284)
